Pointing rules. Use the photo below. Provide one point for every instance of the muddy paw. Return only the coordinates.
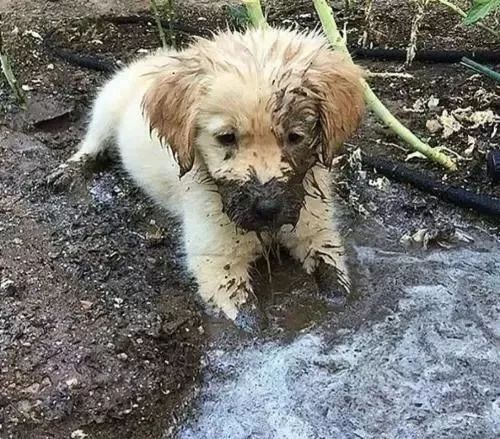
(64, 177)
(332, 285)
(250, 318)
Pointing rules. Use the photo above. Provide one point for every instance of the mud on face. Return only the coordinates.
(255, 206)
(258, 153)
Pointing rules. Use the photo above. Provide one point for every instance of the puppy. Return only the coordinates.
(236, 135)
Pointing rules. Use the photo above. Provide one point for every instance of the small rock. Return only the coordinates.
(33, 34)
(7, 286)
(122, 356)
(86, 304)
(432, 103)
(53, 255)
(78, 434)
(433, 126)
(381, 183)
(72, 382)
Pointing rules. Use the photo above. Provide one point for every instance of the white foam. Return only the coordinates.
(430, 370)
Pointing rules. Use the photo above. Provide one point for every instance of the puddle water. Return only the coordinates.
(427, 366)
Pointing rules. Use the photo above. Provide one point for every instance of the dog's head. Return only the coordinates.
(257, 111)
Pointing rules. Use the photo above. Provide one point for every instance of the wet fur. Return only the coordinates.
(166, 111)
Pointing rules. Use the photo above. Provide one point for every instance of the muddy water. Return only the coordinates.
(417, 356)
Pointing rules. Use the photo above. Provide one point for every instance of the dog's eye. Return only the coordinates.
(295, 138)
(226, 139)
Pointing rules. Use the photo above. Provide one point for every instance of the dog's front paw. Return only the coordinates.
(333, 285)
(250, 318)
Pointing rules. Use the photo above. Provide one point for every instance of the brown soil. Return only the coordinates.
(99, 328)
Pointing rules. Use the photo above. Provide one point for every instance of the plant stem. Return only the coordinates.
(157, 16)
(415, 27)
(481, 69)
(255, 13)
(327, 19)
(9, 75)
(367, 32)
(462, 14)
(170, 15)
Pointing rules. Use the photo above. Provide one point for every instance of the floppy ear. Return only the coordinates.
(170, 105)
(336, 83)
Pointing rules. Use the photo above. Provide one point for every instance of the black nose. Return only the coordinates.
(268, 209)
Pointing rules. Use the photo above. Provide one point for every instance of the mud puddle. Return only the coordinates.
(416, 356)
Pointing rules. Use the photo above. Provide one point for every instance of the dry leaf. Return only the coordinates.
(415, 155)
(471, 141)
(449, 123)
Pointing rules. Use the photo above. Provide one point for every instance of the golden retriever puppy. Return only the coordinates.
(236, 135)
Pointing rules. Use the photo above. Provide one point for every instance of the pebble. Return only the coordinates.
(122, 356)
(7, 286)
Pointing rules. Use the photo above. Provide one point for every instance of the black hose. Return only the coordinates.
(484, 204)
(92, 62)
(433, 56)
(102, 64)
(146, 19)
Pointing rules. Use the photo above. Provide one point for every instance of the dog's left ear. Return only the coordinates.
(170, 104)
(336, 82)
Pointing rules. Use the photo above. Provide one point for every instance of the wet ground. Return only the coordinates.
(101, 333)
(419, 360)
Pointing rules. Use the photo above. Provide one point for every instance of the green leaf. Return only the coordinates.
(480, 9)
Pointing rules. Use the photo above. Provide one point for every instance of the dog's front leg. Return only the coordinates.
(220, 256)
(316, 242)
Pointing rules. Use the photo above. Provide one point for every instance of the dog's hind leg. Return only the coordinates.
(105, 115)
(316, 241)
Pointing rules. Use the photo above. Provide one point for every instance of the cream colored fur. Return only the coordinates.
(218, 254)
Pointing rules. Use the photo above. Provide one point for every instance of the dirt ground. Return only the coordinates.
(100, 331)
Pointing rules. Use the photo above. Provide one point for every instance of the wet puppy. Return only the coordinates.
(235, 135)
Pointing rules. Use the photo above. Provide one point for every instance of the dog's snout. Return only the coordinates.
(253, 206)
(268, 209)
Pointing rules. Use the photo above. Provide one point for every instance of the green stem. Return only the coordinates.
(11, 78)
(463, 14)
(170, 15)
(157, 16)
(255, 13)
(327, 19)
(481, 69)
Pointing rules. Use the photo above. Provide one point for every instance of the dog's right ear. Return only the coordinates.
(170, 105)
